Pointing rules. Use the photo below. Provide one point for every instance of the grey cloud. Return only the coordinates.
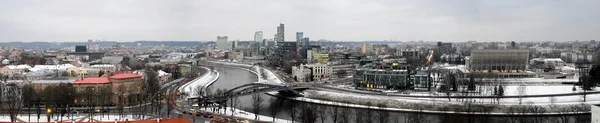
(460, 20)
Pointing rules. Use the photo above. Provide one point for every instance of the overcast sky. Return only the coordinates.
(355, 20)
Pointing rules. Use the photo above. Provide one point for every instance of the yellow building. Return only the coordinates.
(320, 57)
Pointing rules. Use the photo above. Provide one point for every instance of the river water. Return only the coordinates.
(231, 77)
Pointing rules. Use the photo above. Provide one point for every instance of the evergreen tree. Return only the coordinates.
(500, 91)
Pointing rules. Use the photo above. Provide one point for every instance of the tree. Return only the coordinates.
(369, 112)
(28, 97)
(90, 95)
(100, 73)
(500, 91)
(121, 98)
(233, 102)
(125, 61)
(521, 91)
(308, 113)
(105, 98)
(345, 114)
(359, 115)
(334, 113)
(292, 110)
(322, 111)
(256, 104)
(273, 107)
(382, 114)
(151, 88)
(13, 101)
(200, 93)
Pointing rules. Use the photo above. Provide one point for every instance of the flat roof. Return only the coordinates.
(52, 81)
(92, 80)
(124, 76)
(501, 50)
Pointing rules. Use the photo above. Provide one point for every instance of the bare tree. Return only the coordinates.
(521, 91)
(308, 113)
(334, 113)
(28, 97)
(105, 98)
(537, 110)
(233, 102)
(292, 111)
(345, 115)
(416, 117)
(359, 115)
(256, 104)
(382, 114)
(322, 111)
(200, 96)
(121, 101)
(564, 111)
(369, 112)
(273, 107)
(13, 101)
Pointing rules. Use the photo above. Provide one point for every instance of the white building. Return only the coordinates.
(317, 72)
(222, 43)
(5, 61)
(60, 67)
(300, 73)
(11, 70)
(555, 62)
(104, 67)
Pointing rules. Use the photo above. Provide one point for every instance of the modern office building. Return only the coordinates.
(305, 47)
(320, 57)
(499, 60)
(382, 76)
(258, 36)
(275, 40)
(299, 37)
(222, 43)
(367, 49)
(235, 44)
(407, 53)
(280, 33)
(265, 43)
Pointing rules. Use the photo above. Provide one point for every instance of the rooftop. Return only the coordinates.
(18, 66)
(52, 81)
(92, 80)
(125, 76)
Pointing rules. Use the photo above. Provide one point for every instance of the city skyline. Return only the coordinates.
(433, 20)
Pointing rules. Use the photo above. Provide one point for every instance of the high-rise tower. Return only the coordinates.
(280, 33)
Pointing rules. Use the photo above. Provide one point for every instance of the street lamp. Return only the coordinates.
(48, 111)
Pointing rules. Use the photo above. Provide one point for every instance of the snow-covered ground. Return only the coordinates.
(43, 118)
(269, 78)
(247, 115)
(391, 107)
(206, 79)
(509, 90)
(557, 100)
(118, 118)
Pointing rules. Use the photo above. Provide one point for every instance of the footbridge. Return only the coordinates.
(252, 88)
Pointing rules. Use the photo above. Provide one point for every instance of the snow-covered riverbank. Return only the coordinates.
(208, 78)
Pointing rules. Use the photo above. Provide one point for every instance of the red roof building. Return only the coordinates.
(93, 80)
